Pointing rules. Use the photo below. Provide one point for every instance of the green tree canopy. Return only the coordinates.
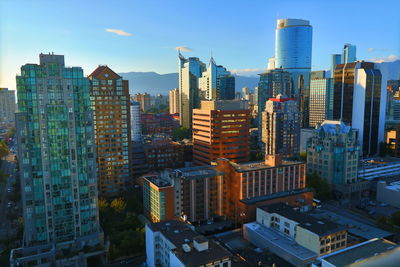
(322, 188)
(179, 134)
(3, 149)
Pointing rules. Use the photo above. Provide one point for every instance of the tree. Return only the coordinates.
(179, 134)
(10, 132)
(118, 205)
(321, 186)
(303, 156)
(3, 149)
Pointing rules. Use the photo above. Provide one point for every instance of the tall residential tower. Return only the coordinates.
(57, 160)
(111, 108)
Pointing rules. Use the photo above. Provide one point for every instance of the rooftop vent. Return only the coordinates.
(320, 222)
(186, 248)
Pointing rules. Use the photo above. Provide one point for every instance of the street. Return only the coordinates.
(9, 210)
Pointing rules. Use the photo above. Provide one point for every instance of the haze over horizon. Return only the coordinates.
(143, 36)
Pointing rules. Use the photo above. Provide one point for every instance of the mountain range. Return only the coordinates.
(154, 83)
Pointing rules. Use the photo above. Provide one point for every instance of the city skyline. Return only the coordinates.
(146, 36)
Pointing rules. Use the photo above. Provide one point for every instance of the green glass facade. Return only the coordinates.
(56, 152)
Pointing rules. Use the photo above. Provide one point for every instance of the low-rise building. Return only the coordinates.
(174, 243)
(246, 181)
(320, 236)
(163, 153)
(388, 193)
(158, 123)
(374, 252)
(378, 168)
(158, 198)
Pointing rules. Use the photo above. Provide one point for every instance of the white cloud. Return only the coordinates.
(184, 49)
(119, 32)
(246, 72)
(385, 59)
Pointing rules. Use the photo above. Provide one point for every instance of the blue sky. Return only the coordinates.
(240, 34)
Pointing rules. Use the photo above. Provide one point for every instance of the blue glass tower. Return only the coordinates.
(57, 160)
(293, 46)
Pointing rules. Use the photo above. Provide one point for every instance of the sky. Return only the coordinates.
(132, 35)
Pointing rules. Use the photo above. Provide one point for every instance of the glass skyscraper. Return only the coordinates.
(293, 45)
(57, 162)
(321, 98)
(349, 53)
(190, 70)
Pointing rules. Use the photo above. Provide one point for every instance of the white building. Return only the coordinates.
(374, 252)
(174, 243)
(7, 105)
(174, 101)
(136, 131)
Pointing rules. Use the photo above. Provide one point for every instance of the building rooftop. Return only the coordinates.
(354, 227)
(197, 172)
(180, 233)
(254, 200)
(260, 165)
(334, 127)
(378, 167)
(157, 181)
(361, 253)
(280, 240)
(320, 227)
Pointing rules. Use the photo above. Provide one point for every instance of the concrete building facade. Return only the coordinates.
(281, 127)
(144, 100)
(221, 130)
(7, 105)
(174, 101)
(110, 102)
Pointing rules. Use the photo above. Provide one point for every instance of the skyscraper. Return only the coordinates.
(57, 160)
(321, 98)
(281, 127)
(216, 83)
(357, 101)
(7, 105)
(272, 83)
(136, 128)
(349, 53)
(190, 70)
(336, 59)
(174, 101)
(293, 44)
(221, 130)
(111, 107)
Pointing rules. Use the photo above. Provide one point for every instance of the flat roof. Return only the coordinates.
(361, 252)
(198, 172)
(283, 242)
(321, 227)
(157, 180)
(260, 165)
(353, 227)
(179, 233)
(254, 200)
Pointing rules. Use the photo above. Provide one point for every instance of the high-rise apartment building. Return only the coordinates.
(221, 130)
(136, 128)
(111, 107)
(293, 44)
(349, 53)
(174, 101)
(281, 127)
(321, 98)
(7, 105)
(190, 70)
(358, 102)
(144, 100)
(272, 83)
(57, 160)
(216, 83)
